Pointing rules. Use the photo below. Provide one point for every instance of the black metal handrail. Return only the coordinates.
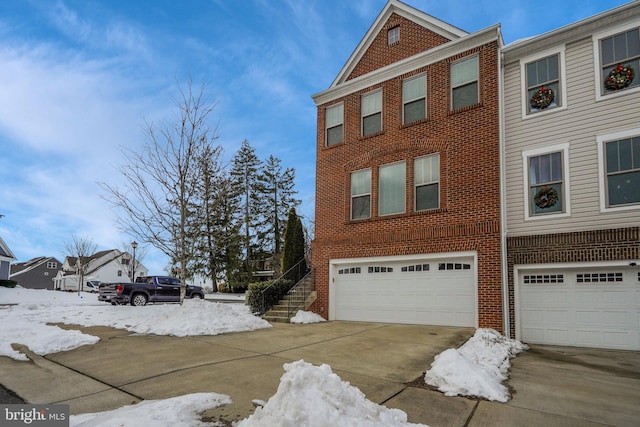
(300, 292)
(293, 275)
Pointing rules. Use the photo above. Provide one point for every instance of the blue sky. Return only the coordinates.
(79, 78)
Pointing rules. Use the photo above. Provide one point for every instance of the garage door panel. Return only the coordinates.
(592, 309)
(406, 292)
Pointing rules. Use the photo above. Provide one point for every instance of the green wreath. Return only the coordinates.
(619, 78)
(546, 197)
(542, 98)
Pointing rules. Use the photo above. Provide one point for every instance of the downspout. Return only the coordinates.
(506, 321)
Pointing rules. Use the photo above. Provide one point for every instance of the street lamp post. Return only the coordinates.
(134, 245)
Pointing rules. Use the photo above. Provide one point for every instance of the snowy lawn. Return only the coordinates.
(477, 368)
(26, 322)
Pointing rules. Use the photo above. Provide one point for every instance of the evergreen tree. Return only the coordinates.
(244, 174)
(276, 190)
(294, 244)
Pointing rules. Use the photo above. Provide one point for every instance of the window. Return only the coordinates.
(393, 35)
(361, 194)
(622, 163)
(541, 279)
(543, 84)
(392, 188)
(334, 118)
(52, 265)
(414, 93)
(598, 277)
(453, 266)
(125, 261)
(546, 185)
(119, 273)
(464, 83)
(426, 172)
(618, 52)
(371, 113)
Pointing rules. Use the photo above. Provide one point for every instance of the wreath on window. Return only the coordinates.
(619, 78)
(542, 98)
(546, 197)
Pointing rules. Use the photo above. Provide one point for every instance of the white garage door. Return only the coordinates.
(584, 308)
(414, 292)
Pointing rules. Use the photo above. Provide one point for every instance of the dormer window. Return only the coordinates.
(393, 35)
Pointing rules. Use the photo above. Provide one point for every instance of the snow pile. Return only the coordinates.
(177, 411)
(477, 368)
(306, 317)
(314, 396)
(26, 322)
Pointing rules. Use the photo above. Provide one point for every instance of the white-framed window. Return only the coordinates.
(619, 158)
(52, 265)
(334, 119)
(371, 113)
(617, 51)
(392, 188)
(361, 194)
(119, 273)
(426, 180)
(393, 35)
(546, 182)
(414, 99)
(543, 78)
(465, 85)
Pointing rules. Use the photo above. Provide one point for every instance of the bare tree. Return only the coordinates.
(80, 248)
(160, 190)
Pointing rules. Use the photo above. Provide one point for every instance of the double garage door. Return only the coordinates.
(584, 307)
(414, 291)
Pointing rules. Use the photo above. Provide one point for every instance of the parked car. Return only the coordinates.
(93, 286)
(147, 289)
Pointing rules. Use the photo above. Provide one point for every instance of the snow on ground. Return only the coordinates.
(306, 317)
(26, 322)
(333, 402)
(477, 368)
(173, 412)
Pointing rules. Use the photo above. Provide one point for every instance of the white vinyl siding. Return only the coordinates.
(578, 126)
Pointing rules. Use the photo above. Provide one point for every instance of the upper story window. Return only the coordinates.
(465, 82)
(414, 94)
(392, 188)
(546, 187)
(361, 194)
(52, 265)
(372, 113)
(543, 84)
(619, 62)
(393, 35)
(426, 173)
(622, 174)
(334, 118)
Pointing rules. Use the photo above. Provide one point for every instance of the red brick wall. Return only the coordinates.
(413, 40)
(469, 214)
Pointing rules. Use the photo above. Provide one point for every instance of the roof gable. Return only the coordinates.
(5, 252)
(418, 32)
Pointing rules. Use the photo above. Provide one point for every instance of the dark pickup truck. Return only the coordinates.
(147, 289)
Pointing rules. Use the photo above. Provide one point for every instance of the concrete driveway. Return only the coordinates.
(552, 385)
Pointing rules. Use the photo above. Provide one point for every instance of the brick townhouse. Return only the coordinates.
(408, 219)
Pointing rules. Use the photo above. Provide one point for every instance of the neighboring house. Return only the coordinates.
(37, 273)
(6, 257)
(572, 176)
(408, 220)
(105, 266)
